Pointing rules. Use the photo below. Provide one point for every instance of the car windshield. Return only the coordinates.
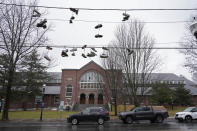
(188, 109)
(86, 111)
(132, 109)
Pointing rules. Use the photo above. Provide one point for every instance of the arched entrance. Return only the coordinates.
(82, 99)
(91, 99)
(100, 99)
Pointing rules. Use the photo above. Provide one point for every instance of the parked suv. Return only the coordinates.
(187, 115)
(152, 113)
(92, 114)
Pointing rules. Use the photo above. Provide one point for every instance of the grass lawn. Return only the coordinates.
(62, 115)
(36, 114)
(175, 110)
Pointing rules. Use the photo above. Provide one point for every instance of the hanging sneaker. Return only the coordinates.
(36, 14)
(98, 26)
(103, 56)
(83, 47)
(91, 54)
(84, 56)
(105, 48)
(94, 49)
(64, 53)
(98, 36)
(76, 11)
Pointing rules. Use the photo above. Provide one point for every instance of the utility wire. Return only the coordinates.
(91, 46)
(94, 21)
(107, 9)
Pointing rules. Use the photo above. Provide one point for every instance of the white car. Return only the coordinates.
(187, 115)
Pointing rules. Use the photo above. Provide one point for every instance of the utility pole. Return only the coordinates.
(42, 103)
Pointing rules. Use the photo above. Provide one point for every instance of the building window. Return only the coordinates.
(91, 80)
(69, 78)
(68, 91)
(56, 99)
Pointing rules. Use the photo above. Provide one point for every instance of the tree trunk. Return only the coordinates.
(125, 106)
(24, 106)
(115, 106)
(8, 94)
(136, 103)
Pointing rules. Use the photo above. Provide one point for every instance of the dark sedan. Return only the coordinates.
(91, 114)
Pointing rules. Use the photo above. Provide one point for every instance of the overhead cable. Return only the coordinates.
(91, 46)
(104, 9)
(94, 21)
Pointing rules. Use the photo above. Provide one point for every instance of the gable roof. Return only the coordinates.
(87, 65)
(91, 62)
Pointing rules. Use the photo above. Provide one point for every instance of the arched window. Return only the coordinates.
(68, 91)
(91, 80)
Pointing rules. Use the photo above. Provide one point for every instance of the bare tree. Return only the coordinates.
(135, 51)
(190, 44)
(20, 37)
(113, 75)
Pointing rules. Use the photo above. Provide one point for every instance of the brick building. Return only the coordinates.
(84, 85)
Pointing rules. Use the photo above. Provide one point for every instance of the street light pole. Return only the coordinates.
(42, 103)
(171, 102)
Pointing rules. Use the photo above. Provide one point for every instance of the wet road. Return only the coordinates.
(109, 126)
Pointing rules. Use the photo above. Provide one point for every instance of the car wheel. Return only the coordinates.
(188, 119)
(100, 121)
(152, 121)
(159, 119)
(179, 120)
(129, 120)
(74, 121)
(124, 121)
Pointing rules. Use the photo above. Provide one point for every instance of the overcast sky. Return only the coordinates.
(80, 33)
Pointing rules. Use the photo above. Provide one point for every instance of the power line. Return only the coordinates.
(96, 21)
(117, 22)
(91, 46)
(106, 9)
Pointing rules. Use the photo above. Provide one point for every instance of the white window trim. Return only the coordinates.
(69, 86)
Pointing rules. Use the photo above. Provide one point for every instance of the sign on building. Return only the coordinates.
(38, 99)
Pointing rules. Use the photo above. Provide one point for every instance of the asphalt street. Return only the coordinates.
(108, 126)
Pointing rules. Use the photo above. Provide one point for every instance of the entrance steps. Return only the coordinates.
(80, 107)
